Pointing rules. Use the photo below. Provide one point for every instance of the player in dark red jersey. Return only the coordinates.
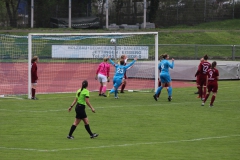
(202, 73)
(34, 76)
(212, 83)
(197, 80)
(124, 82)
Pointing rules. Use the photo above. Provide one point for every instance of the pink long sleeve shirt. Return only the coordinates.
(104, 69)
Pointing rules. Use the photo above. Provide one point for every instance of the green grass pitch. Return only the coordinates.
(133, 127)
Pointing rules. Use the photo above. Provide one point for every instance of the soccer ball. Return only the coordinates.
(113, 40)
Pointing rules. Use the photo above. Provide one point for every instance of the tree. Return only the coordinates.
(11, 7)
(153, 10)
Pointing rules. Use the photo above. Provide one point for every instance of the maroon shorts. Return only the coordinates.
(202, 80)
(212, 87)
(34, 80)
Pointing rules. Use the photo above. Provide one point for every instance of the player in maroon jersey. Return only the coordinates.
(202, 73)
(197, 80)
(124, 82)
(34, 76)
(212, 83)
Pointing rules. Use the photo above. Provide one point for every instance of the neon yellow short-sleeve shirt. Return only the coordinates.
(81, 98)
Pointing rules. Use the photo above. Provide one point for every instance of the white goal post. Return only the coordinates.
(82, 52)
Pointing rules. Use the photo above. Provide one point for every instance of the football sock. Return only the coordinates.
(123, 86)
(104, 89)
(200, 92)
(33, 92)
(100, 89)
(212, 100)
(206, 97)
(116, 93)
(170, 91)
(204, 91)
(158, 95)
(159, 90)
(87, 127)
(72, 129)
(112, 90)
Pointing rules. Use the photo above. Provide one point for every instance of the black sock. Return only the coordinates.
(72, 130)
(87, 127)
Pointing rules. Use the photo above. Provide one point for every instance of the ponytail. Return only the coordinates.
(214, 64)
(205, 57)
(164, 56)
(84, 85)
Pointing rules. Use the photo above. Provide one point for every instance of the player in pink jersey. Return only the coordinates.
(102, 75)
(212, 83)
(202, 73)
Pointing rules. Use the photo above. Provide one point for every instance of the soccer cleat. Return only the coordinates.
(94, 135)
(70, 137)
(202, 103)
(34, 98)
(155, 97)
(116, 97)
(121, 92)
(210, 105)
(104, 95)
(169, 98)
(100, 94)
(196, 92)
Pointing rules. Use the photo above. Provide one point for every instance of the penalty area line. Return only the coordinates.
(120, 145)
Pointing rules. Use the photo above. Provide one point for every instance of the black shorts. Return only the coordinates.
(80, 111)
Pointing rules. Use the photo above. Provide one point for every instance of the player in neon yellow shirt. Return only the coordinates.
(82, 98)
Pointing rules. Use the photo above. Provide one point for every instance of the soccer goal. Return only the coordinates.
(66, 59)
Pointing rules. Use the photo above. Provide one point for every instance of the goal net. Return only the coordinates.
(66, 59)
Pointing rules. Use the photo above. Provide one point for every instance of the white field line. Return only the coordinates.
(98, 107)
(120, 145)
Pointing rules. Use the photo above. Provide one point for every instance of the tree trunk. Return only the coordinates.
(12, 12)
(153, 10)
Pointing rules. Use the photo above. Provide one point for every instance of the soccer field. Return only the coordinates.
(134, 126)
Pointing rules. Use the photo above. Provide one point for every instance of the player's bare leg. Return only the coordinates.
(34, 87)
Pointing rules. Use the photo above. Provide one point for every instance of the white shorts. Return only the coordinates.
(102, 78)
(34, 84)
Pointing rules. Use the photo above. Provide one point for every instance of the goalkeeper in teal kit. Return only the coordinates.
(164, 66)
(119, 74)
